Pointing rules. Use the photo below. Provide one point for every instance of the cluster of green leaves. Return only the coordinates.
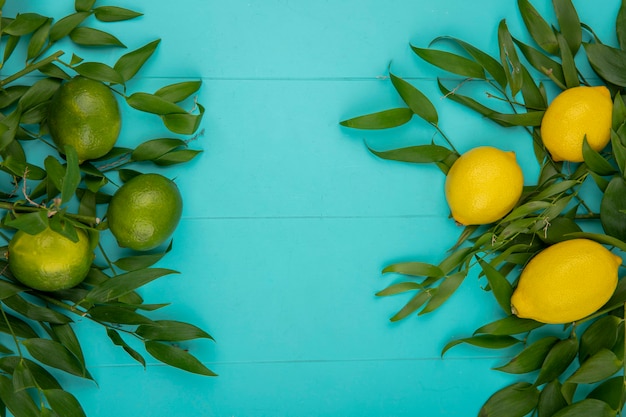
(65, 194)
(548, 212)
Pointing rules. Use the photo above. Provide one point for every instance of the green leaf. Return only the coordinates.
(64, 334)
(570, 72)
(179, 91)
(569, 24)
(9, 289)
(83, 5)
(114, 14)
(99, 72)
(183, 123)
(177, 357)
(129, 64)
(542, 63)
(551, 399)
(399, 288)
(486, 341)
(56, 355)
(531, 358)
(64, 26)
(607, 62)
(447, 287)
(94, 37)
(415, 99)
(610, 391)
(72, 176)
(620, 26)
(587, 408)
(134, 263)
(416, 269)
(34, 311)
(414, 304)
(19, 403)
(171, 331)
(24, 24)
(38, 40)
(15, 326)
(595, 161)
(450, 62)
(598, 367)
(117, 315)
(179, 156)
(515, 400)
(385, 119)
(534, 98)
(557, 361)
(118, 341)
(538, 28)
(489, 64)
(152, 149)
(601, 334)
(421, 154)
(509, 325)
(612, 206)
(619, 112)
(31, 223)
(125, 283)
(40, 92)
(151, 103)
(501, 288)
(509, 59)
(63, 403)
(619, 151)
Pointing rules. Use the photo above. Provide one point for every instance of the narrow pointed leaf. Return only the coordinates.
(19, 403)
(558, 360)
(416, 269)
(129, 64)
(31, 223)
(118, 341)
(598, 367)
(551, 399)
(509, 59)
(171, 331)
(56, 355)
(450, 62)
(100, 72)
(444, 291)
(151, 103)
(94, 37)
(421, 154)
(611, 392)
(620, 26)
(515, 400)
(488, 63)
(595, 161)
(569, 24)
(570, 73)
(183, 123)
(114, 14)
(64, 403)
(414, 304)
(24, 24)
(509, 325)
(385, 119)
(399, 288)
(125, 283)
(501, 288)
(531, 358)
(64, 26)
(612, 206)
(541, 62)
(72, 176)
(415, 99)
(177, 357)
(538, 28)
(607, 62)
(178, 156)
(179, 91)
(586, 408)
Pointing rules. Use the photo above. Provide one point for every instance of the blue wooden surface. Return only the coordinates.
(288, 220)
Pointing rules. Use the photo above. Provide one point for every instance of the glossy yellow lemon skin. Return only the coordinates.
(49, 261)
(566, 282)
(483, 185)
(84, 113)
(144, 212)
(575, 113)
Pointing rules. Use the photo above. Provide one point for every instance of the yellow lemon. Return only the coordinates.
(575, 113)
(144, 212)
(566, 282)
(84, 113)
(49, 261)
(483, 185)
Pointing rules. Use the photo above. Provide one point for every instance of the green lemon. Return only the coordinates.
(144, 212)
(84, 113)
(49, 261)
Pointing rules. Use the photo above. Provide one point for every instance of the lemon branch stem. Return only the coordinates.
(30, 68)
(29, 209)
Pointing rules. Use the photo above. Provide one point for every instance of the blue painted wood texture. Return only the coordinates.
(288, 220)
